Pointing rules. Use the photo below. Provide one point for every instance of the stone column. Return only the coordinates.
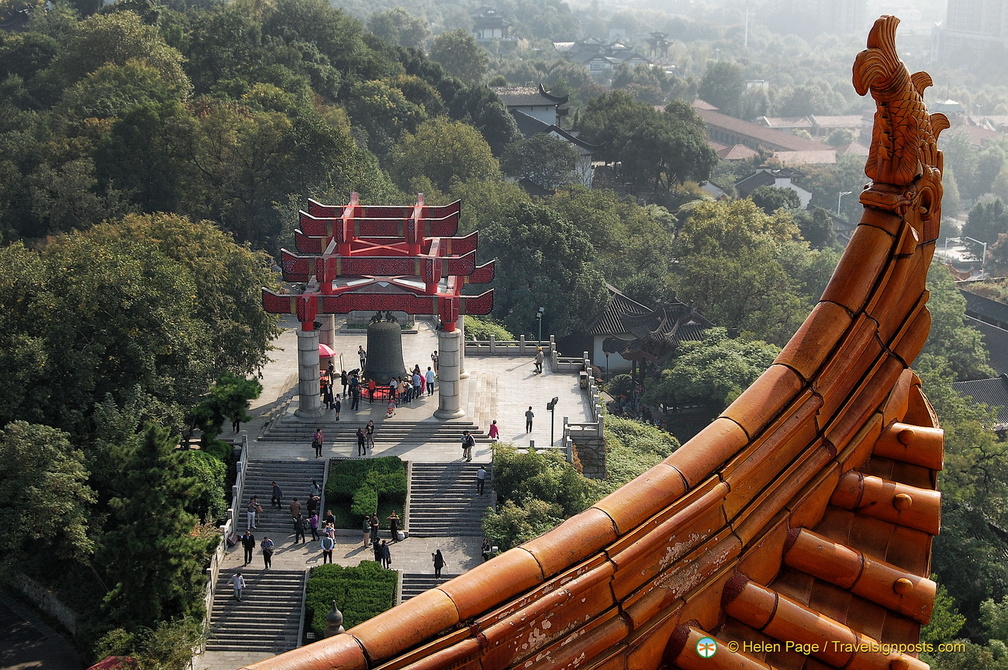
(449, 386)
(309, 402)
(327, 335)
(460, 327)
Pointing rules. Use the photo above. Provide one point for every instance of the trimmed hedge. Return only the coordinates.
(359, 487)
(360, 593)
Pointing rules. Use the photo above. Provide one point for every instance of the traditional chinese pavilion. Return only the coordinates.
(381, 258)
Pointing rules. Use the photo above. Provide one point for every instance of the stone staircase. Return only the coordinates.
(415, 583)
(387, 431)
(266, 619)
(443, 500)
(295, 478)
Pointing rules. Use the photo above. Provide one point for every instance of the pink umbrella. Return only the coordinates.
(325, 351)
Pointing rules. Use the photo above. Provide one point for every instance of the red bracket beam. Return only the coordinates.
(308, 306)
(326, 269)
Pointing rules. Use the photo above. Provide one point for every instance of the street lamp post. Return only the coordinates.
(983, 258)
(840, 195)
(539, 316)
(550, 406)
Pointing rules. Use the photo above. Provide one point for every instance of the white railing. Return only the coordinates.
(574, 432)
(230, 525)
(519, 347)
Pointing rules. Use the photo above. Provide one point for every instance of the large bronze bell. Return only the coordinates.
(384, 357)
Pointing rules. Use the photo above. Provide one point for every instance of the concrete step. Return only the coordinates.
(267, 617)
(443, 500)
(413, 584)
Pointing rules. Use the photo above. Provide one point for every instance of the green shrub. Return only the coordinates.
(521, 522)
(360, 593)
(477, 328)
(519, 476)
(359, 487)
(365, 501)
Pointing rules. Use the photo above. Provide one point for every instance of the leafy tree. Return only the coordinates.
(772, 198)
(629, 240)
(549, 259)
(959, 344)
(460, 55)
(816, 226)
(480, 107)
(45, 496)
(731, 267)
(383, 112)
(841, 136)
(118, 38)
(226, 399)
(151, 554)
(397, 26)
(544, 160)
(656, 150)
(444, 151)
(722, 86)
(711, 372)
(168, 646)
(986, 221)
(946, 621)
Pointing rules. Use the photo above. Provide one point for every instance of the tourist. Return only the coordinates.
(468, 442)
(362, 356)
(337, 405)
(386, 556)
(379, 554)
(430, 381)
(494, 431)
(277, 497)
(539, 358)
(393, 519)
(267, 550)
(317, 442)
(371, 387)
(390, 410)
(480, 479)
(251, 512)
(417, 383)
(486, 550)
(248, 544)
(328, 544)
(313, 524)
(238, 582)
(367, 530)
(369, 434)
(529, 415)
(344, 379)
(294, 508)
(374, 528)
(361, 449)
(236, 422)
(439, 562)
(299, 528)
(329, 519)
(434, 360)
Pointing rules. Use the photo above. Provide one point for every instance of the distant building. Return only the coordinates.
(600, 57)
(632, 333)
(776, 177)
(810, 18)
(789, 149)
(991, 392)
(971, 27)
(990, 317)
(536, 111)
(488, 25)
(534, 102)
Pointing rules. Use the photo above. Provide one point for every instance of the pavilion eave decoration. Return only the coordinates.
(409, 253)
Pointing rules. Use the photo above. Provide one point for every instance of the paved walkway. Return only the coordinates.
(498, 387)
